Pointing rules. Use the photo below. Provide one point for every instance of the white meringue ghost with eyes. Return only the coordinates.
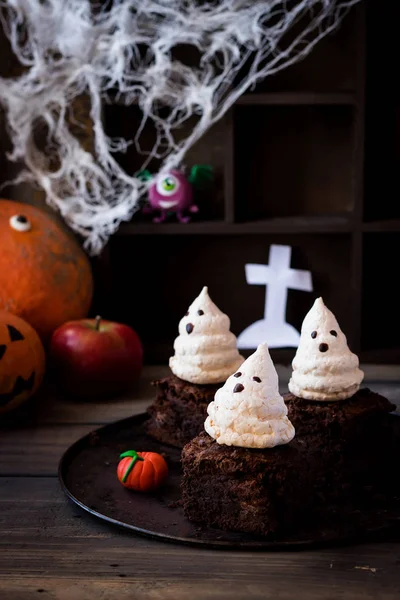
(205, 350)
(324, 368)
(248, 411)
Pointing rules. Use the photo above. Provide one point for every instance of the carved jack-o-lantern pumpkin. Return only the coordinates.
(22, 361)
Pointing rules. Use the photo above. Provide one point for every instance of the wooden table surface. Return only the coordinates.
(49, 549)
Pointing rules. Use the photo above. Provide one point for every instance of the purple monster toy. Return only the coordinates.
(172, 192)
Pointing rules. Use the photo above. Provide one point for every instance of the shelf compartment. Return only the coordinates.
(382, 160)
(170, 272)
(123, 121)
(332, 63)
(294, 160)
(382, 149)
(380, 325)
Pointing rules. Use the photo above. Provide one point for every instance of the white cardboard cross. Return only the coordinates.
(278, 277)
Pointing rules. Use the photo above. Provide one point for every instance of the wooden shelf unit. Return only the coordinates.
(313, 224)
(289, 163)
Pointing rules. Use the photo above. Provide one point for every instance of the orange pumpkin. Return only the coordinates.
(22, 361)
(45, 277)
(142, 471)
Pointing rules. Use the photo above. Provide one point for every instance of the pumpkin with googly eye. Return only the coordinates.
(22, 361)
(45, 276)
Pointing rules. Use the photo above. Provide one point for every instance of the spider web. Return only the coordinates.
(124, 50)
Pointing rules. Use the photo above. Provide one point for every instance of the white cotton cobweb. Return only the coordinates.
(125, 48)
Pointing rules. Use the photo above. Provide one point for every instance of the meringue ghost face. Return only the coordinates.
(205, 350)
(324, 368)
(320, 333)
(170, 191)
(248, 411)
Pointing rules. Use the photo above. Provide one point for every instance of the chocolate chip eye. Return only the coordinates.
(314, 335)
(333, 332)
(323, 347)
(238, 388)
(257, 379)
(200, 312)
(238, 374)
(187, 314)
(189, 327)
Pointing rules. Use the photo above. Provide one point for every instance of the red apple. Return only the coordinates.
(93, 358)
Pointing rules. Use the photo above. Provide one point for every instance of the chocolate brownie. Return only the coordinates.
(358, 436)
(178, 413)
(240, 489)
(343, 452)
(339, 418)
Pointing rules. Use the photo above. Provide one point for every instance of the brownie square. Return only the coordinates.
(178, 413)
(240, 489)
(344, 454)
(340, 418)
(358, 440)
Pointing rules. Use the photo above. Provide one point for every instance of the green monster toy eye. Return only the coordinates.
(168, 184)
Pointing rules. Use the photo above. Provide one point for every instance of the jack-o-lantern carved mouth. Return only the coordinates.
(21, 385)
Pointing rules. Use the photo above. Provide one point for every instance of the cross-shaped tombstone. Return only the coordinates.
(278, 277)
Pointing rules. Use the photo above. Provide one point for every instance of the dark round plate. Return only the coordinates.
(87, 473)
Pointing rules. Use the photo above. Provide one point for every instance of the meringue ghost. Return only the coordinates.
(205, 350)
(324, 368)
(248, 411)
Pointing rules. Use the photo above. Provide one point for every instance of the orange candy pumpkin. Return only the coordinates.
(142, 471)
(22, 361)
(45, 277)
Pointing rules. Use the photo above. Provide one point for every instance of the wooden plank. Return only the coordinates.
(35, 507)
(306, 224)
(98, 413)
(51, 406)
(36, 450)
(65, 410)
(123, 586)
(35, 445)
(45, 546)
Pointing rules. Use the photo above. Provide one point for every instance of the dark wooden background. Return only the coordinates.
(310, 159)
(301, 160)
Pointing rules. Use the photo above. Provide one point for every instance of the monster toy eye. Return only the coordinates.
(333, 332)
(20, 223)
(167, 185)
